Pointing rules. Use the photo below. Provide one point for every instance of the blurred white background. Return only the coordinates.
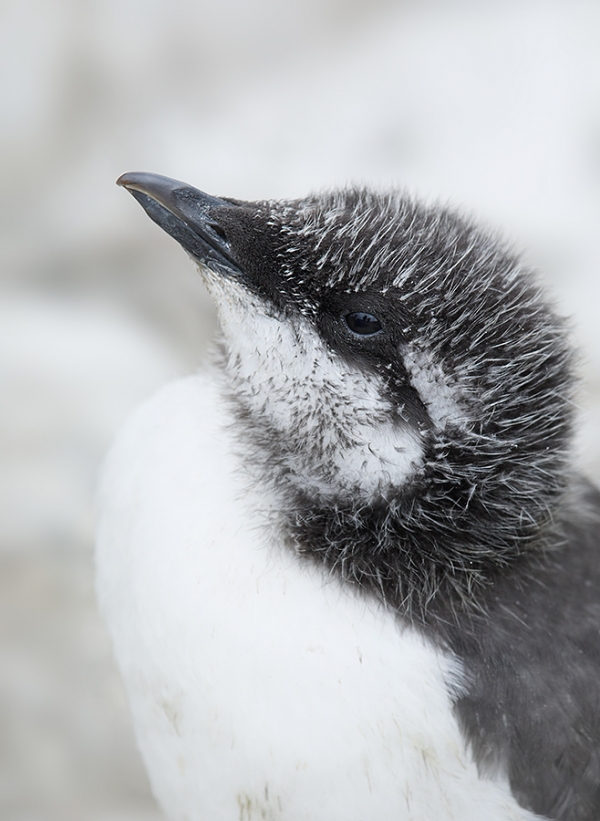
(493, 105)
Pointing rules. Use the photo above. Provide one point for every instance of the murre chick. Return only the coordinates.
(349, 570)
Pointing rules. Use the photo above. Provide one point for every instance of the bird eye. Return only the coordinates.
(363, 324)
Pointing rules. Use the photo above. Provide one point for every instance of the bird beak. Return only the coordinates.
(188, 215)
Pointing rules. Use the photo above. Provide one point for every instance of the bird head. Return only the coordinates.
(399, 380)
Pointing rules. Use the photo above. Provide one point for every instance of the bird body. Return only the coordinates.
(260, 687)
(348, 569)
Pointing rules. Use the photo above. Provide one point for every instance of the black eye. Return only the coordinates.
(363, 324)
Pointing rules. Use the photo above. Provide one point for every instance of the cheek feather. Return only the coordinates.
(337, 431)
(441, 395)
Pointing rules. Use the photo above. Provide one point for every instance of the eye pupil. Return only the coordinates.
(362, 323)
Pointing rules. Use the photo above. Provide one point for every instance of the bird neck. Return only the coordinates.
(476, 510)
(435, 545)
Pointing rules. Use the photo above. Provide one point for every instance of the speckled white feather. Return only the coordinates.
(259, 688)
(439, 393)
(350, 438)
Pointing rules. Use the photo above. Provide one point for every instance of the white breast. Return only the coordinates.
(259, 688)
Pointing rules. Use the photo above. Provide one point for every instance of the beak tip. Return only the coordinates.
(128, 180)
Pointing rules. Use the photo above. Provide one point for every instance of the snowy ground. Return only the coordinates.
(492, 105)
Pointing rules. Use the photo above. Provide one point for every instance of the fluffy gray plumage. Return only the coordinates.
(471, 328)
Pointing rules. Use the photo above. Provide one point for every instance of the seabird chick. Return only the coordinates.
(349, 570)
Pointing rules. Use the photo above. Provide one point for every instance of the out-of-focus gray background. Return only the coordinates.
(493, 105)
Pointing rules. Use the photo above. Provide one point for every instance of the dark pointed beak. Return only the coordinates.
(188, 215)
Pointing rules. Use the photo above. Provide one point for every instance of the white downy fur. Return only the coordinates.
(438, 393)
(259, 688)
(348, 438)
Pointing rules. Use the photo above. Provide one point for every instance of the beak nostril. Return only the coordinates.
(218, 231)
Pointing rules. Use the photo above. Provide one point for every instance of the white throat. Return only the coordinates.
(341, 434)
